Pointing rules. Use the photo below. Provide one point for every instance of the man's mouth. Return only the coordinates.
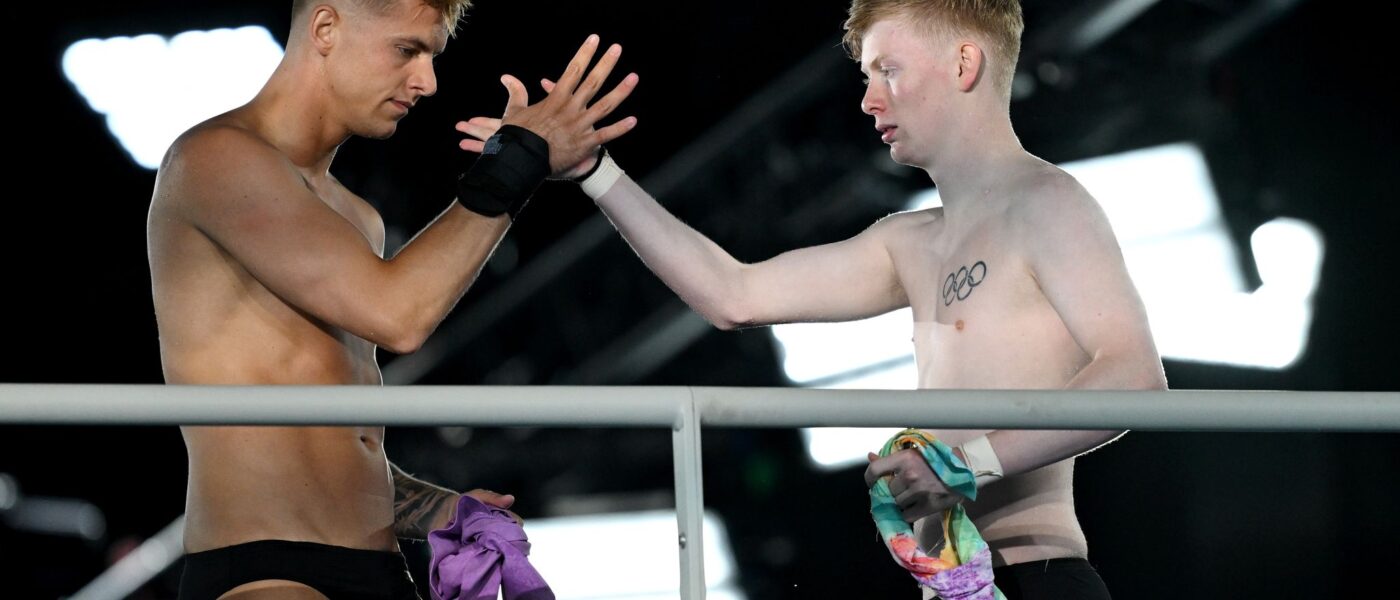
(887, 132)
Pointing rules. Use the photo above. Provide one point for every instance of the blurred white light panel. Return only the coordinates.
(151, 89)
(631, 556)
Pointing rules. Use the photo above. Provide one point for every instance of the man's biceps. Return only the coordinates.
(1115, 329)
(1101, 276)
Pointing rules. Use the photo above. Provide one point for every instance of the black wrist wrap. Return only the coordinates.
(510, 168)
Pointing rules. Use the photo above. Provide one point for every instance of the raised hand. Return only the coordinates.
(565, 117)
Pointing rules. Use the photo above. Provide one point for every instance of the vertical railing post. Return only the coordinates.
(690, 500)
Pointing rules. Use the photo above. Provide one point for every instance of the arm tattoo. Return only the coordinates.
(418, 505)
(958, 286)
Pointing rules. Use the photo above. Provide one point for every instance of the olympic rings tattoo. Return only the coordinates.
(958, 286)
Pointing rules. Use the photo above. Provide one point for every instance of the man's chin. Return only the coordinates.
(382, 132)
(899, 156)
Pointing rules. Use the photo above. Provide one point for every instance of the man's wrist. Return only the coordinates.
(602, 177)
(512, 165)
(981, 459)
(597, 162)
(447, 512)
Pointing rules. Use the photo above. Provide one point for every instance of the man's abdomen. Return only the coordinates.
(1031, 516)
(320, 484)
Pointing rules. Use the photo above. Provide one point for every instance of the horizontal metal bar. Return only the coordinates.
(589, 406)
(532, 406)
(1186, 410)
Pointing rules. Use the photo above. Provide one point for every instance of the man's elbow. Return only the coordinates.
(403, 320)
(1138, 370)
(404, 343)
(403, 335)
(728, 323)
(1153, 379)
(723, 324)
(726, 316)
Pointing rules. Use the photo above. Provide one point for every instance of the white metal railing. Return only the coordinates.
(686, 409)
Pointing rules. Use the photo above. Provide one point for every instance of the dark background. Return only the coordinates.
(750, 130)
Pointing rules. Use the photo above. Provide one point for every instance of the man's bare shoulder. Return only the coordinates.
(906, 229)
(908, 222)
(222, 168)
(217, 160)
(218, 146)
(1054, 209)
(1049, 196)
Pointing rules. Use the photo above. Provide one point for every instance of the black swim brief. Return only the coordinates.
(339, 573)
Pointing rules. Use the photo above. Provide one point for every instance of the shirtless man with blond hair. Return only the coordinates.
(266, 270)
(1016, 282)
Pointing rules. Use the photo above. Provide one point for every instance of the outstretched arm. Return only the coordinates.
(846, 280)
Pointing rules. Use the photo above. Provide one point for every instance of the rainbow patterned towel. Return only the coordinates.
(963, 569)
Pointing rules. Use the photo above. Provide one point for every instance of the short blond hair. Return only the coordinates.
(998, 21)
(452, 10)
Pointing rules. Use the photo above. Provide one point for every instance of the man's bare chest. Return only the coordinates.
(978, 276)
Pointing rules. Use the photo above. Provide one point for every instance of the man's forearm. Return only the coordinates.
(438, 266)
(1022, 451)
(420, 507)
(704, 275)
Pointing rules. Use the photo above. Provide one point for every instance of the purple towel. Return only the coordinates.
(480, 552)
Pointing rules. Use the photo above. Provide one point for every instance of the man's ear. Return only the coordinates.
(971, 64)
(323, 28)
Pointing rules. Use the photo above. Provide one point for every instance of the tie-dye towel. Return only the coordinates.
(963, 569)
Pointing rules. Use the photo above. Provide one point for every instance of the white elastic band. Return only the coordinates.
(983, 461)
(602, 178)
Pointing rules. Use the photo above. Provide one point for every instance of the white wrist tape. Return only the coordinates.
(983, 461)
(602, 178)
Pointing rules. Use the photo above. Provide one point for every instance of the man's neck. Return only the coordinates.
(293, 113)
(973, 160)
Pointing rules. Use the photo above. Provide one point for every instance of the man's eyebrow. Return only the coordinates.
(874, 62)
(418, 44)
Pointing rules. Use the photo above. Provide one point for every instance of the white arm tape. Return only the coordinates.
(602, 178)
(983, 461)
